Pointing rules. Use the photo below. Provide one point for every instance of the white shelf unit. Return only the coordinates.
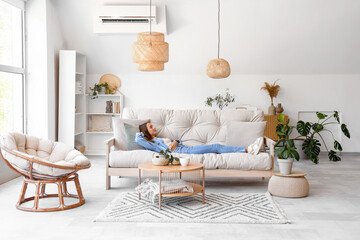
(72, 98)
(97, 107)
(76, 106)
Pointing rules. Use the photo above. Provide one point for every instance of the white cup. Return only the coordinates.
(184, 161)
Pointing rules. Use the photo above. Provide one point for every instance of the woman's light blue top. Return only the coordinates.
(157, 145)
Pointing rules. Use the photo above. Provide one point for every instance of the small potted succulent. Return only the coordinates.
(285, 147)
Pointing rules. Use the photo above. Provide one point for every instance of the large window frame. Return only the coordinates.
(19, 70)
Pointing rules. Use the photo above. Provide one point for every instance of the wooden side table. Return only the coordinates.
(181, 170)
(271, 123)
(292, 185)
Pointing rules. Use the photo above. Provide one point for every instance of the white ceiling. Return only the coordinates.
(258, 36)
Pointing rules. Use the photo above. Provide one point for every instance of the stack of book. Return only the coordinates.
(116, 107)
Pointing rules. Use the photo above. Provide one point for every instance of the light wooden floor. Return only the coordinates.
(332, 211)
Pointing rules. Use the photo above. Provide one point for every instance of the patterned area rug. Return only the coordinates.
(218, 208)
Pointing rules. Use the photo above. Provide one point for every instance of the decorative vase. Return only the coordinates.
(279, 108)
(271, 110)
(285, 165)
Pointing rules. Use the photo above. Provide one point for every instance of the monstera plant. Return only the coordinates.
(312, 133)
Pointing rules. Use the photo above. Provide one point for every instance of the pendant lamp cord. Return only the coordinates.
(218, 53)
(150, 20)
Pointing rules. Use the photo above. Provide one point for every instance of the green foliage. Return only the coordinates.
(167, 154)
(98, 87)
(287, 148)
(309, 130)
(220, 100)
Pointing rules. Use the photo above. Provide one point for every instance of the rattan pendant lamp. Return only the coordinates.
(218, 67)
(150, 52)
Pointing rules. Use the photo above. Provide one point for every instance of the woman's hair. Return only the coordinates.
(144, 130)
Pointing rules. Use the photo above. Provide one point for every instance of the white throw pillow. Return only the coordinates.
(119, 130)
(244, 133)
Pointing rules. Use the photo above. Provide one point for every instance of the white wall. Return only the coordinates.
(312, 46)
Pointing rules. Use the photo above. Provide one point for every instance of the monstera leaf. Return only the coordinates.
(321, 115)
(311, 147)
(337, 146)
(333, 156)
(345, 130)
(336, 116)
(303, 128)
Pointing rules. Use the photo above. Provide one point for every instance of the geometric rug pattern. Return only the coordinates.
(218, 208)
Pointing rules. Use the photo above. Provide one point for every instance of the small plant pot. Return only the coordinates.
(159, 160)
(285, 165)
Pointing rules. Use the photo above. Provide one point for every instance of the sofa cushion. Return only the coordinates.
(244, 133)
(130, 131)
(242, 161)
(193, 127)
(119, 130)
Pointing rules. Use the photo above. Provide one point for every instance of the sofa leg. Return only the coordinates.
(108, 182)
(263, 178)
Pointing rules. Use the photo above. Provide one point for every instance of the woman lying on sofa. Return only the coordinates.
(147, 139)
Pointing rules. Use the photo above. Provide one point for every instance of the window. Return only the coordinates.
(12, 67)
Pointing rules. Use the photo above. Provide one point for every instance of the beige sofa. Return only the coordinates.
(192, 127)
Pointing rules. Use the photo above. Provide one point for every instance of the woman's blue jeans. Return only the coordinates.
(213, 148)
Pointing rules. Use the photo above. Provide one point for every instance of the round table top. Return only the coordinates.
(292, 174)
(148, 166)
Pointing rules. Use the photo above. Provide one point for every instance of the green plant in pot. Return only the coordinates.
(97, 89)
(285, 148)
(311, 131)
(167, 154)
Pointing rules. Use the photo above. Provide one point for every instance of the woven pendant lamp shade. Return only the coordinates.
(218, 68)
(150, 51)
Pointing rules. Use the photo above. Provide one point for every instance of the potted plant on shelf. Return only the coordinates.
(310, 131)
(165, 158)
(285, 147)
(98, 88)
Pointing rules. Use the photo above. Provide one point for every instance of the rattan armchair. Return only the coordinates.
(42, 162)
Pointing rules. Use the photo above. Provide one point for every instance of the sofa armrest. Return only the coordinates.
(110, 142)
(271, 144)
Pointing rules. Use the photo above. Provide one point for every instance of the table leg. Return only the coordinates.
(159, 190)
(203, 185)
(180, 174)
(139, 182)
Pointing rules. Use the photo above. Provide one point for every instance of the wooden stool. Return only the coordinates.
(293, 185)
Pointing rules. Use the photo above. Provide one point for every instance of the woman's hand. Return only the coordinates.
(173, 145)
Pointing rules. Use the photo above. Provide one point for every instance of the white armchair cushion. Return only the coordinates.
(42, 150)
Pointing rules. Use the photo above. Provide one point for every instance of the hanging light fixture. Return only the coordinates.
(218, 67)
(150, 51)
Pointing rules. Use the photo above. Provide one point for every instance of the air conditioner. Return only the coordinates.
(128, 19)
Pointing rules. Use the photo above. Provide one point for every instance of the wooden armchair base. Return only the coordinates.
(40, 193)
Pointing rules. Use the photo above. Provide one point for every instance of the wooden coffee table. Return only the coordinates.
(198, 188)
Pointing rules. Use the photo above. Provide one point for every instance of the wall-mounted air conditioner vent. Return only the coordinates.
(128, 19)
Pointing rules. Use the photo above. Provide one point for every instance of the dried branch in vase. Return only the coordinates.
(272, 89)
